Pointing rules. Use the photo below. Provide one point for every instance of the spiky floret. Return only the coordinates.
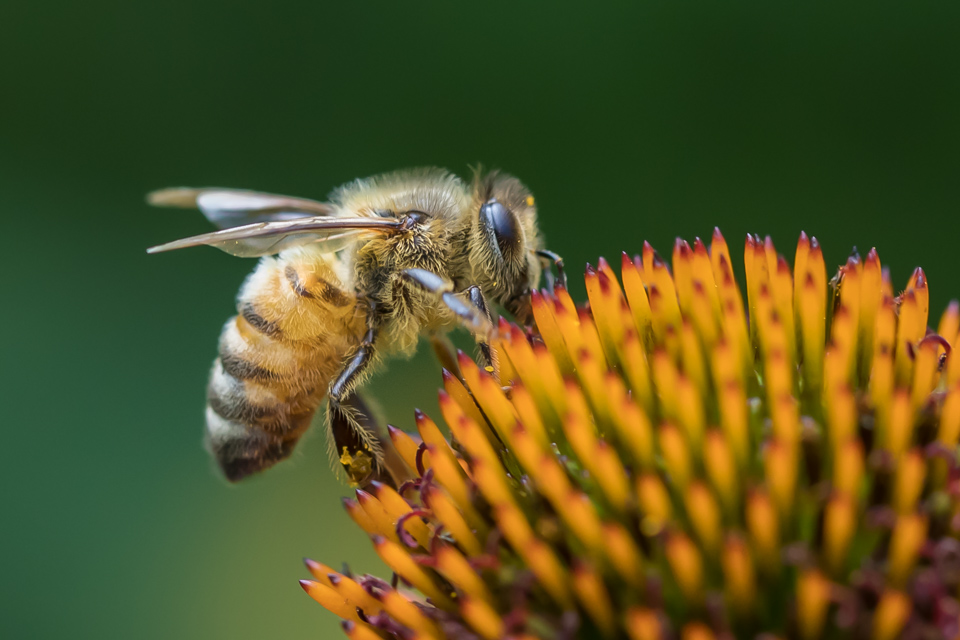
(672, 462)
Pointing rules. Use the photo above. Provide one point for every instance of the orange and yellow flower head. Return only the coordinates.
(682, 458)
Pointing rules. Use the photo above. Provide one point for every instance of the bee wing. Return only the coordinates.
(228, 208)
(265, 238)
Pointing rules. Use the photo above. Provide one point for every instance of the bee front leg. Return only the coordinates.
(472, 311)
(548, 258)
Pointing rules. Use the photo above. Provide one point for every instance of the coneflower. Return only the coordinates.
(669, 462)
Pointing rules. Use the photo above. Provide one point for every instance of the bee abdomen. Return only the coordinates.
(260, 400)
(294, 324)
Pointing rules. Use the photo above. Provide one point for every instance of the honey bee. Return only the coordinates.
(343, 283)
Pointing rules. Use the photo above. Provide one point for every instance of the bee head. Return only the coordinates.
(502, 242)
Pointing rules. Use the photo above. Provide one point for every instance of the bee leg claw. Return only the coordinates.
(480, 303)
(549, 257)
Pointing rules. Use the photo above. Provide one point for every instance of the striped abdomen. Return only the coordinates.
(296, 321)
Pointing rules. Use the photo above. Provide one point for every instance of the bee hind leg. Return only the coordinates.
(361, 446)
(352, 436)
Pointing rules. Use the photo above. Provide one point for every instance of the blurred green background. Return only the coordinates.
(631, 122)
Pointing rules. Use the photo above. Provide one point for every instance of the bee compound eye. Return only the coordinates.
(504, 225)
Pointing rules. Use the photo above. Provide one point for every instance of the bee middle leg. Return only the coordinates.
(472, 311)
